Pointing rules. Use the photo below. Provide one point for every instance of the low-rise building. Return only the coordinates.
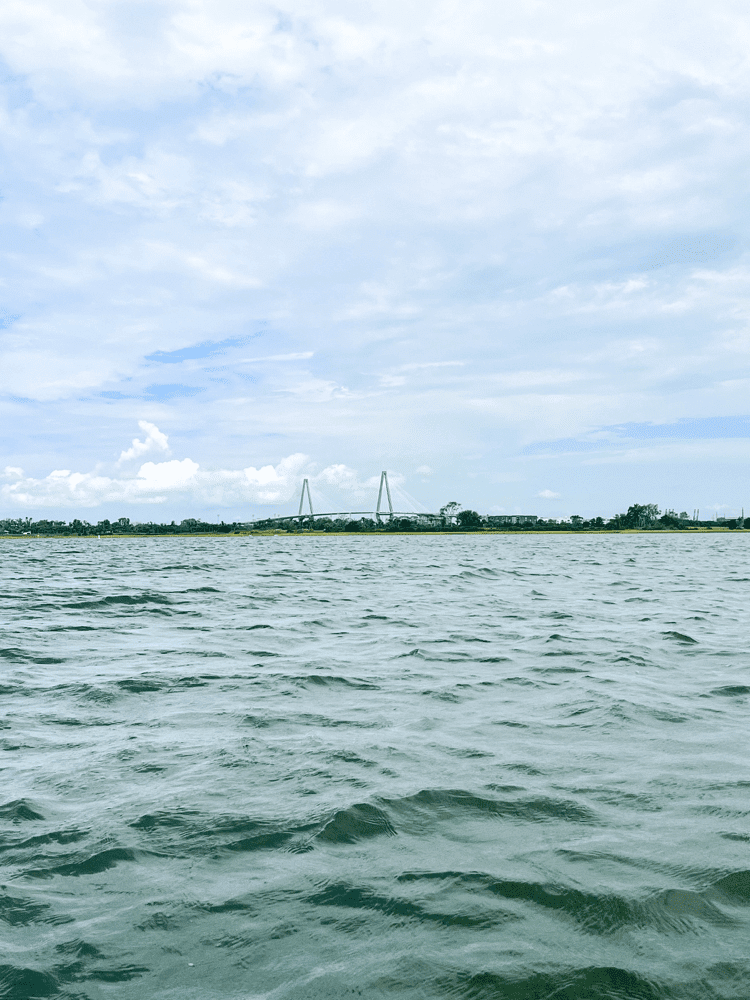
(500, 520)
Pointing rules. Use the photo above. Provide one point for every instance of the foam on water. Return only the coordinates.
(463, 767)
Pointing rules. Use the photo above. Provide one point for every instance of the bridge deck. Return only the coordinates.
(375, 515)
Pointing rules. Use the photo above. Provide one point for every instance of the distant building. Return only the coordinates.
(500, 520)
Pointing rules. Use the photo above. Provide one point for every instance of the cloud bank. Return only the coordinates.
(429, 235)
(176, 480)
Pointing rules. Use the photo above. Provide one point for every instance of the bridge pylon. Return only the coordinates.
(305, 486)
(384, 482)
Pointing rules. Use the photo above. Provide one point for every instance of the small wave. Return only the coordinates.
(448, 802)
(462, 637)
(152, 821)
(735, 887)
(361, 898)
(597, 913)
(481, 573)
(125, 600)
(140, 685)
(74, 628)
(120, 974)
(19, 983)
(15, 655)
(679, 637)
(665, 716)
(259, 721)
(449, 696)
(678, 905)
(160, 921)
(261, 842)
(456, 657)
(19, 811)
(358, 822)
(331, 680)
(54, 837)
(732, 690)
(188, 832)
(327, 722)
(17, 911)
(592, 983)
(92, 865)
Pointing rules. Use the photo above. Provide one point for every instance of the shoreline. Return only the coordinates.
(386, 534)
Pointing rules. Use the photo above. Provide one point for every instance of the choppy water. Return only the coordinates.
(379, 767)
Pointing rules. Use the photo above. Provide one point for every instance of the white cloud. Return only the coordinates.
(341, 477)
(549, 495)
(317, 390)
(676, 454)
(159, 476)
(274, 484)
(154, 441)
(299, 356)
(423, 470)
(156, 482)
(160, 482)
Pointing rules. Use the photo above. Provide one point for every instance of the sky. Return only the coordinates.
(496, 249)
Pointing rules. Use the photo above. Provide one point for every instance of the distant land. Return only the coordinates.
(451, 519)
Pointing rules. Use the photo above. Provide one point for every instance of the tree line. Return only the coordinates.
(452, 518)
(123, 526)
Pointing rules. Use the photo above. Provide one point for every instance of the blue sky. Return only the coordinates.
(499, 250)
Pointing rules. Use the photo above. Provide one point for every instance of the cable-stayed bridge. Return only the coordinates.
(383, 510)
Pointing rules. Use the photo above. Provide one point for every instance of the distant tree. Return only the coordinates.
(746, 522)
(576, 520)
(640, 515)
(669, 521)
(469, 519)
(353, 526)
(450, 510)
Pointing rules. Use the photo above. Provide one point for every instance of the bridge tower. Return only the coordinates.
(384, 481)
(305, 486)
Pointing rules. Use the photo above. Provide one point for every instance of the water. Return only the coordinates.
(380, 767)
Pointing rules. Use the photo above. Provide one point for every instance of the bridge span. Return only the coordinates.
(377, 514)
